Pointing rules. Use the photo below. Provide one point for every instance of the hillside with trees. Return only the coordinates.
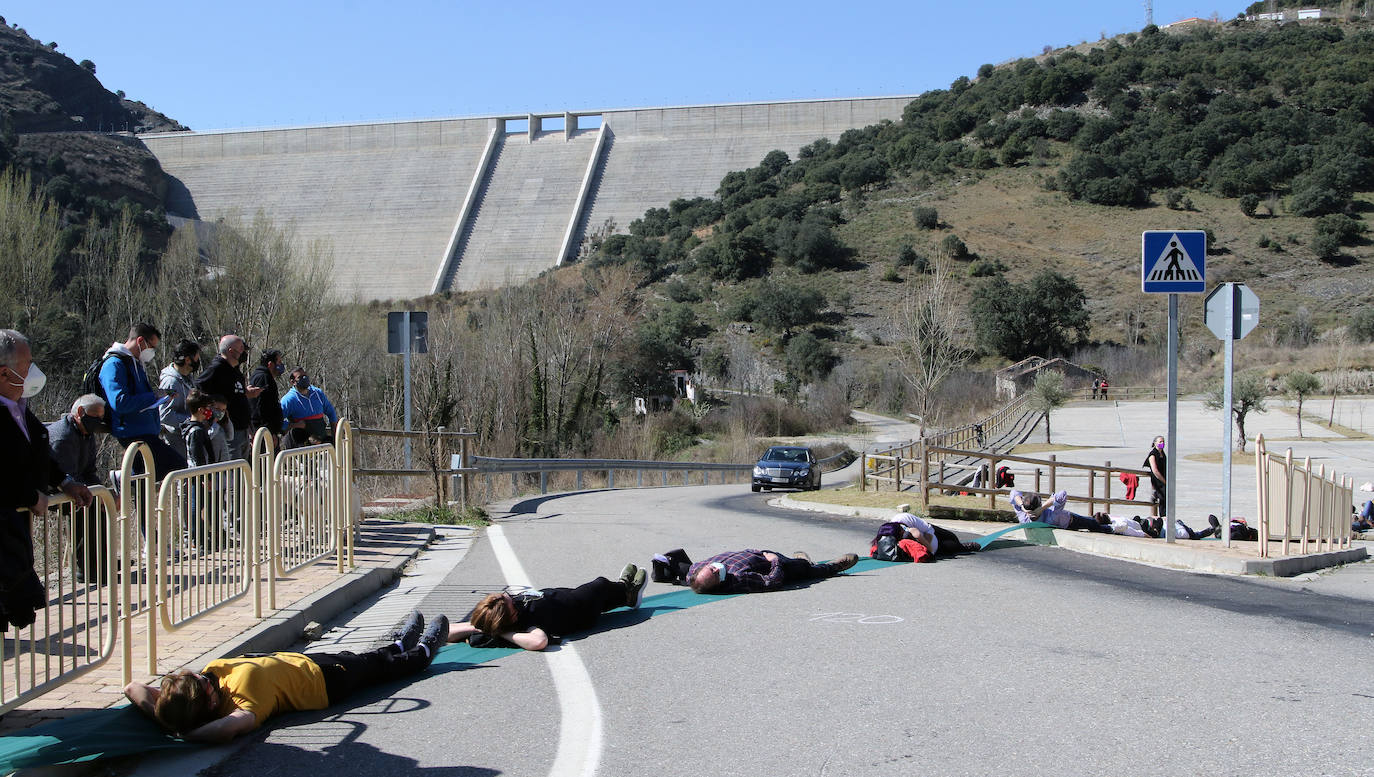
(1036, 178)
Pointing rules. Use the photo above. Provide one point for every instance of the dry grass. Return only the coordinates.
(1006, 214)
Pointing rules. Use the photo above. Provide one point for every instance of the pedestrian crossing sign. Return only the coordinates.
(1173, 261)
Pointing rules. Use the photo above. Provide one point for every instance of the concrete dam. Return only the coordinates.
(416, 207)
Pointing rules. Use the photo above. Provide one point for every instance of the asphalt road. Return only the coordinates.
(1019, 660)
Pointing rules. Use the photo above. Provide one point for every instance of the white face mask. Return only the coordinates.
(720, 570)
(33, 383)
(146, 355)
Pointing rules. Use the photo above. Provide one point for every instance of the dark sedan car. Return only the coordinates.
(787, 466)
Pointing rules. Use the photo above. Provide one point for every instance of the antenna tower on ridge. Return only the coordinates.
(1149, 12)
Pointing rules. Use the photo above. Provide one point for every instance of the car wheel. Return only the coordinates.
(754, 487)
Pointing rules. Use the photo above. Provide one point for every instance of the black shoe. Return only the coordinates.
(972, 547)
(408, 633)
(435, 636)
(634, 589)
(1216, 525)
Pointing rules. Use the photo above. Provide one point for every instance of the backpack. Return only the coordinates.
(90, 379)
(1004, 478)
(1240, 530)
(884, 546)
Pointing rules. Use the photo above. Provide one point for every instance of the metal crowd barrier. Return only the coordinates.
(163, 555)
(78, 629)
(1300, 502)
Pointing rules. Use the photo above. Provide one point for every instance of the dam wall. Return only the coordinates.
(411, 208)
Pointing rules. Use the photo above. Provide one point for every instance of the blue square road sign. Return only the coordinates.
(1173, 261)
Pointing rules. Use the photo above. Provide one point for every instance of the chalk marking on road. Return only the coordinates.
(856, 617)
(579, 730)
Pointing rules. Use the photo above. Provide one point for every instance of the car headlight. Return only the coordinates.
(801, 473)
(758, 472)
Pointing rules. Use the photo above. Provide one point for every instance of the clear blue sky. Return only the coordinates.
(251, 63)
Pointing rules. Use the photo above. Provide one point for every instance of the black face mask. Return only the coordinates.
(92, 425)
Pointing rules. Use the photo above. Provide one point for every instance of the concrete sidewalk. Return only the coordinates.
(314, 594)
(1242, 558)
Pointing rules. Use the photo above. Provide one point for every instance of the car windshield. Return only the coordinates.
(785, 454)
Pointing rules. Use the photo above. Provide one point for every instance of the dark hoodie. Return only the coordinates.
(199, 450)
(265, 407)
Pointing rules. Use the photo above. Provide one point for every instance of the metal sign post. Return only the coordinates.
(405, 360)
(407, 333)
(1232, 310)
(1172, 262)
(1171, 444)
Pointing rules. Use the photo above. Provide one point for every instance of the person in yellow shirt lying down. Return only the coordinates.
(234, 696)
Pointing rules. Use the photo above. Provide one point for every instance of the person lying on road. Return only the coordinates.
(750, 571)
(532, 619)
(234, 696)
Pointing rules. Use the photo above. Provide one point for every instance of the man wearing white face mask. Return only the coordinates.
(751, 571)
(133, 402)
(27, 474)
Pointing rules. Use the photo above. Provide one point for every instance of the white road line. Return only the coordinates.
(579, 732)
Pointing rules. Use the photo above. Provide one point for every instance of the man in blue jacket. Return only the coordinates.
(308, 413)
(132, 401)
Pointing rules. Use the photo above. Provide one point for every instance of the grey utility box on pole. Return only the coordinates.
(1232, 311)
(407, 332)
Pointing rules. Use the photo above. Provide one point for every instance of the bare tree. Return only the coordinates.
(928, 324)
(29, 240)
(1342, 362)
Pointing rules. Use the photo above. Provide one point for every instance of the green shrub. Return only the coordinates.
(986, 269)
(1249, 203)
(926, 217)
(954, 247)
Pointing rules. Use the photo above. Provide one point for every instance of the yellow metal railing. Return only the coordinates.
(165, 554)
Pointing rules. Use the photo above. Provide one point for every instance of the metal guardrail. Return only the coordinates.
(490, 467)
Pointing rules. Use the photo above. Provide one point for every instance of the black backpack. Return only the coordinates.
(884, 547)
(90, 379)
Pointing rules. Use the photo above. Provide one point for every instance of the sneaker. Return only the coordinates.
(634, 589)
(435, 636)
(801, 554)
(408, 632)
(627, 575)
(842, 563)
(1216, 524)
(972, 547)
